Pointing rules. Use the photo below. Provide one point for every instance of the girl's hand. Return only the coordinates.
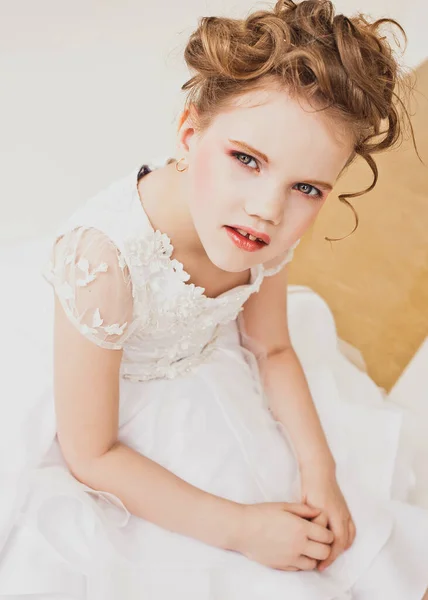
(321, 490)
(281, 535)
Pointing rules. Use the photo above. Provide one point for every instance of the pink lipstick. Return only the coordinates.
(246, 238)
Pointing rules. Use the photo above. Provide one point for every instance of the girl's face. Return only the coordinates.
(265, 170)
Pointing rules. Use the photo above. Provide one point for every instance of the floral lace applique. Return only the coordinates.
(179, 323)
(93, 284)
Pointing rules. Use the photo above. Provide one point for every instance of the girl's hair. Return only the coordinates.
(343, 64)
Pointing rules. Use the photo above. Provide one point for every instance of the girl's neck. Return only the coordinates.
(163, 195)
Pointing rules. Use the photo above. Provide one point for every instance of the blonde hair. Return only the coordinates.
(341, 64)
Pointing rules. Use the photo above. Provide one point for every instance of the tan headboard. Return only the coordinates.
(376, 281)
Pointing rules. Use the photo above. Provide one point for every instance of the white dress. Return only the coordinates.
(191, 399)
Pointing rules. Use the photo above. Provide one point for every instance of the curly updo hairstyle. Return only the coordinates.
(341, 64)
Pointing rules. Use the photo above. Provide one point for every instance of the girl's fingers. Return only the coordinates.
(318, 533)
(317, 550)
(340, 530)
(306, 564)
(303, 510)
(321, 520)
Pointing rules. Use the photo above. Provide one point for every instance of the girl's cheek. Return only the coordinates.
(204, 169)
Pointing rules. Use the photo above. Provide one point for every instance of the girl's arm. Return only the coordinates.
(290, 400)
(86, 386)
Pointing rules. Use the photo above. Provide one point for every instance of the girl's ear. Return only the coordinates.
(186, 129)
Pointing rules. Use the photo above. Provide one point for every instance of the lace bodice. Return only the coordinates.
(119, 285)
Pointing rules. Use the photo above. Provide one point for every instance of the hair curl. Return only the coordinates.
(343, 64)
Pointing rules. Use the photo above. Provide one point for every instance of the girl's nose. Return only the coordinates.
(266, 208)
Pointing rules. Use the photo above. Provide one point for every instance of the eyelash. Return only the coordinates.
(319, 195)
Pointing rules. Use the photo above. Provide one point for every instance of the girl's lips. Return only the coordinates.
(242, 242)
(263, 236)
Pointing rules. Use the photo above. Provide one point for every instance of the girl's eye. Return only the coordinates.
(307, 189)
(237, 155)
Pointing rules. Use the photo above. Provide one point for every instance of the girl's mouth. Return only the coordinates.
(245, 240)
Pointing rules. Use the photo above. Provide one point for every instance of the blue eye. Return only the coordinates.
(238, 154)
(308, 188)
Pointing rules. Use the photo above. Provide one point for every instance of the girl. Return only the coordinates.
(186, 457)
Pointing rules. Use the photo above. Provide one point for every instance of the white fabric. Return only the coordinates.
(94, 286)
(209, 424)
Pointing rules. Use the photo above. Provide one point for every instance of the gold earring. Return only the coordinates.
(177, 163)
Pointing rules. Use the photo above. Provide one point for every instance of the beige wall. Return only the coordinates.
(376, 281)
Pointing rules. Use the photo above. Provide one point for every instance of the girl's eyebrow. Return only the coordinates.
(322, 184)
(251, 150)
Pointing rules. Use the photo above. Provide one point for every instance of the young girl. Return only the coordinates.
(186, 458)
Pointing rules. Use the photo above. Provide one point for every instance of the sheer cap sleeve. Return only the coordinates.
(92, 281)
(273, 269)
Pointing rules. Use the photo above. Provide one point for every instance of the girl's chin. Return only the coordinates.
(231, 263)
(227, 257)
